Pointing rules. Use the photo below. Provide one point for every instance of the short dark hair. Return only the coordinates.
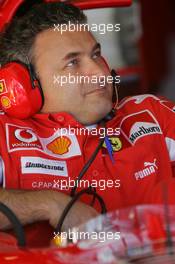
(17, 40)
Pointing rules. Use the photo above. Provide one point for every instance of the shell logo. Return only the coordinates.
(59, 145)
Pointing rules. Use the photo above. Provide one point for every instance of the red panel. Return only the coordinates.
(9, 7)
(7, 10)
(90, 4)
(157, 22)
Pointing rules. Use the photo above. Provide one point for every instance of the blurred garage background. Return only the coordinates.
(143, 51)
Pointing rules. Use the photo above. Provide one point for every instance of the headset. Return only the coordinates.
(21, 94)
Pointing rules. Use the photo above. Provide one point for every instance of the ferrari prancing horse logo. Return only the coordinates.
(115, 143)
(2, 87)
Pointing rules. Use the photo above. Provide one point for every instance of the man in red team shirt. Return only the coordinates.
(35, 156)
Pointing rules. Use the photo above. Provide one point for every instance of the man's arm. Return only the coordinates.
(33, 206)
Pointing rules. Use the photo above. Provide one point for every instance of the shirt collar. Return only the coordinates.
(65, 119)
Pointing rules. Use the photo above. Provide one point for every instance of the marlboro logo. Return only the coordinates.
(139, 125)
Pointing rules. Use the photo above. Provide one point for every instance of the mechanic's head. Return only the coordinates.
(55, 54)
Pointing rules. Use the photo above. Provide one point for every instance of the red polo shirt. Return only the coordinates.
(48, 152)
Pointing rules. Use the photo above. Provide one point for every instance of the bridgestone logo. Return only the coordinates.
(144, 131)
(39, 165)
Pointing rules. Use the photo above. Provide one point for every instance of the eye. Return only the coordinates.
(72, 62)
(97, 54)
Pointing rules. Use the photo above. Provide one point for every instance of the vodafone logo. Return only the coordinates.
(25, 135)
(19, 138)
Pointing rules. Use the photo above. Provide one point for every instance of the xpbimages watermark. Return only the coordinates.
(101, 184)
(82, 79)
(94, 131)
(74, 236)
(101, 27)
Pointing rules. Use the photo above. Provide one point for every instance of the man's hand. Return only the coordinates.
(33, 206)
(78, 214)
